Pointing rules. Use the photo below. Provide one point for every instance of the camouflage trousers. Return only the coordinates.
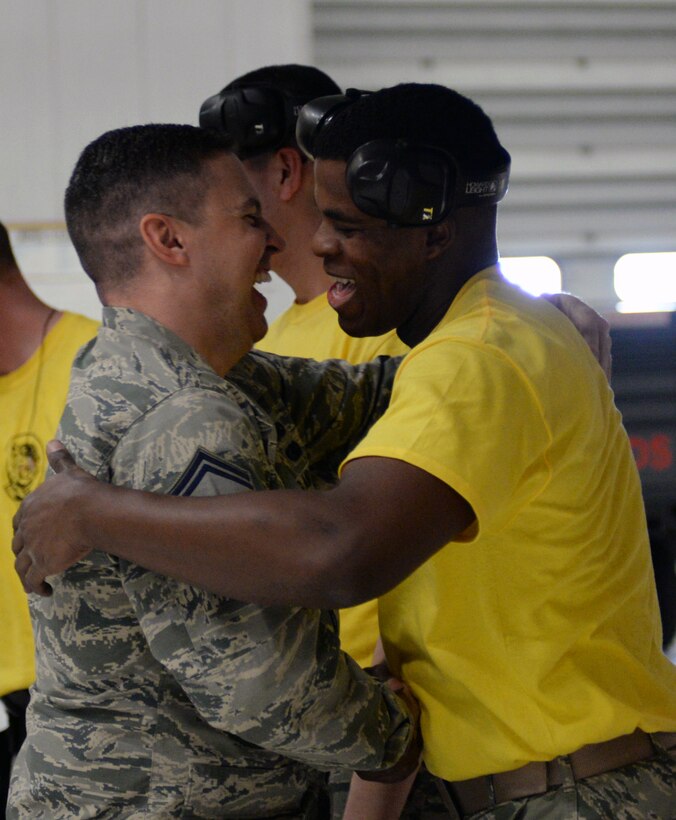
(641, 791)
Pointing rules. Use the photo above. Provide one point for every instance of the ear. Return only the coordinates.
(163, 235)
(439, 238)
(290, 167)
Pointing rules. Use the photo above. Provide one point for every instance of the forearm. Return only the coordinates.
(261, 547)
(325, 549)
(377, 801)
(364, 397)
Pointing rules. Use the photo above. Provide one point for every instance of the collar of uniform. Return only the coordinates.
(132, 322)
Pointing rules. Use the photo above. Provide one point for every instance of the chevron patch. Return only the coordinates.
(217, 473)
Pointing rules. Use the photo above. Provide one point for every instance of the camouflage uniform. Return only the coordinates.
(156, 699)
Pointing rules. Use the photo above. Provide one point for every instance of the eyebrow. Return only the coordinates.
(248, 204)
(339, 216)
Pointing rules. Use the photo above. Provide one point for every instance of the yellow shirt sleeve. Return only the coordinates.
(445, 394)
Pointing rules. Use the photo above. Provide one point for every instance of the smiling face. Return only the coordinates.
(381, 272)
(231, 248)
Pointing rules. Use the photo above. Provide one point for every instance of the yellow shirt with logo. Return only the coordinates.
(538, 630)
(32, 398)
(311, 330)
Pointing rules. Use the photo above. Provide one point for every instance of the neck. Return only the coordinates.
(445, 282)
(25, 321)
(191, 321)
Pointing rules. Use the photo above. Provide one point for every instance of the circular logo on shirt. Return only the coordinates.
(24, 465)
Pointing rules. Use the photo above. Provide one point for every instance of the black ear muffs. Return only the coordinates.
(317, 114)
(417, 185)
(406, 184)
(403, 184)
(257, 119)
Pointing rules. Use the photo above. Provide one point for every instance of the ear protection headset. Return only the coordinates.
(257, 118)
(409, 185)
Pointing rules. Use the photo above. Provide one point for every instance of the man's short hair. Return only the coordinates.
(125, 174)
(423, 114)
(7, 259)
(300, 82)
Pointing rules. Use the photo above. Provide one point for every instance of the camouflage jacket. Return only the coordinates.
(157, 699)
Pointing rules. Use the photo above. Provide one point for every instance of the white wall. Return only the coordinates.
(71, 69)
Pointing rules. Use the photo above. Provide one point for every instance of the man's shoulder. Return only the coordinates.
(291, 331)
(74, 330)
(78, 323)
(137, 371)
(119, 382)
(62, 343)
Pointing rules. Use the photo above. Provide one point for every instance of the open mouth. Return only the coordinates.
(340, 292)
(262, 276)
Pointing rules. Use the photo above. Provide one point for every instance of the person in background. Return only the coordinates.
(37, 346)
(284, 180)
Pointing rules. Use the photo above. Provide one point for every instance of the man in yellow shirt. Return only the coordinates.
(498, 493)
(284, 180)
(37, 350)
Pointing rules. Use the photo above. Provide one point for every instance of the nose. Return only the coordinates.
(324, 242)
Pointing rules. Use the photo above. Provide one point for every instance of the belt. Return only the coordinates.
(480, 793)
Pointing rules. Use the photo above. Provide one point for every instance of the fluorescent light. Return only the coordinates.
(534, 274)
(645, 307)
(646, 282)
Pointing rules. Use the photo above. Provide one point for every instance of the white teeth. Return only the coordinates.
(263, 276)
(344, 281)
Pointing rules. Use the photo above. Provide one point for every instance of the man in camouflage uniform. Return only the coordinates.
(154, 698)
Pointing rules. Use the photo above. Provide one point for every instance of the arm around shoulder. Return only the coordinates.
(331, 549)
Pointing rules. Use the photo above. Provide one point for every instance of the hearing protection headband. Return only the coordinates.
(257, 118)
(409, 185)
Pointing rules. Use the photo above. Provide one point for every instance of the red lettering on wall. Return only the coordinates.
(654, 453)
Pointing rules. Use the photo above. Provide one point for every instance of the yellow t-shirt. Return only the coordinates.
(311, 330)
(32, 399)
(538, 631)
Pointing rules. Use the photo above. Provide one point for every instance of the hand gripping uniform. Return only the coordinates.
(156, 699)
(537, 631)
